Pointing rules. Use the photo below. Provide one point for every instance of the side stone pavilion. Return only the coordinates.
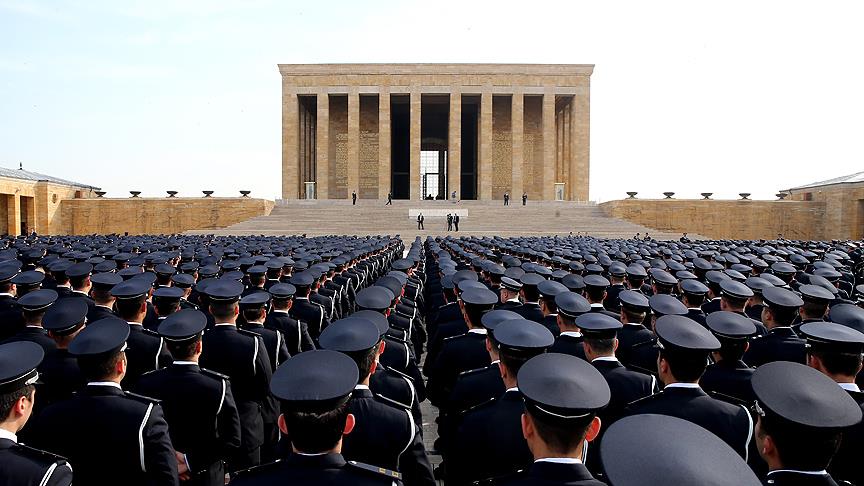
(424, 131)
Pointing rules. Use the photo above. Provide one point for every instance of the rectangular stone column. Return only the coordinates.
(454, 144)
(517, 120)
(290, 144)
(549, 145)
(486, 143)
(322, 145)
(383, 143)
(13, 214)
(353, 141)
(580, 141)
(414, 176)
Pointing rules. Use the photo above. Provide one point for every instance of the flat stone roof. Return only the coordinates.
(26, 175)
(439, 69)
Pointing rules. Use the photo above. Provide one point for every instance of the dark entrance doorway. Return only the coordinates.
(400, 146)
(470, 119)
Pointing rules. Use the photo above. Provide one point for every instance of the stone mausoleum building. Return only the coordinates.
(425, 131)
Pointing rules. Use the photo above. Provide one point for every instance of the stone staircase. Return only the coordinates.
(477, 218)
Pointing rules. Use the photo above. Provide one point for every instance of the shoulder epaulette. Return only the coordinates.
(395, 371)
(392, 402)
(478, 406)
(728, 398)
(254, 469)
(248, 333)
(215, 374)
(142, 398)
(473, 372)
(40, 455)
(640, 369)
(644, 399)
(152, 333)
(451, 338)
(375, 470)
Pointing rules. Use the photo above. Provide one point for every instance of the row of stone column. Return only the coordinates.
(578, 132)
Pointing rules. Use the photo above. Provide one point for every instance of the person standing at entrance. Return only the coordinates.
(524, 198)
(389, 199)
(353, 198)
(506, 198)
(420, 220)
(449, 222)
(456, 221)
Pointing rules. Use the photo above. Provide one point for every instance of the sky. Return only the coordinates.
(689, 97)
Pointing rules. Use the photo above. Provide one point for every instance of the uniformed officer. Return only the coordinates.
(781, 343)
(59, 372)
(464, 352)
(756, 304)
(19, 464)
(728, 374)
(634, 309)
(166, 301)
(103, 301)
(569, 341)
(801, 414)
(481, 452)
(509, 296)
(296, 333)
(242, 356)
(637, 450)
(147, 350)
(313, 314)
(684, 348)
(549, 290)
(108, 434)
(562, 396)
(595, 291)
(835, 350)
(184, 282)
(403, 448)
(79, 278)
(530, 308)
(11, 320)
(693, 294)
(199, 406)
(314, 389)
(617, 273)
(816, 301)
(33, 308)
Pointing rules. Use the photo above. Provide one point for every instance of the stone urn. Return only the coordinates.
(135, 193)
(632, 194)
(668, 195)
(172, 193)
(245, 193)
(781, 196)
(744, 196)
(208, 193)
(706, 195)
(100, 193)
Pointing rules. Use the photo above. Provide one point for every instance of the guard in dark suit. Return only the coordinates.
(140, 450)
(199, 407)
(19, 464)
(562, 395)
(728, 375)
(147, 350)
(549, 290)
(59, 371)
(33, 307)
(781, 343)
(242, 356)
(835, 350)
(79, 278)
(634, 308)
(684, 348)
(481, 452)
(530, 308)
(617, 272)
(569, 341)
(509, 296)
(314, 389)
(403, 448)
(634, 454)
(595, 292)
(461, 353)
(296, 333)
(314, 315)
(793, 396)
(693, 294)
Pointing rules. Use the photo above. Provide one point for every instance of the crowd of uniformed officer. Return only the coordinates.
(194, 360)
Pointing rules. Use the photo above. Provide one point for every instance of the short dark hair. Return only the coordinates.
(6, 286)
(475, 312)
(100, 295)
(78, 282)
(838, 363)
(182, 350)
(605, 345)
(799, 447)
(783, 316)
(313, 432)
(257, 278)
(734, 302)
(364, 360)
(685, 367)
(165, 307)
(558, 436)
(732, 350)
(595, 293)
(513, 362)
(814, 310)
(128, 308)
(694, 299)
(251, 313)
(549, 301)
(221, 309)
(8, 399)
(531, 293)
(632, 315)
(99, 367)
